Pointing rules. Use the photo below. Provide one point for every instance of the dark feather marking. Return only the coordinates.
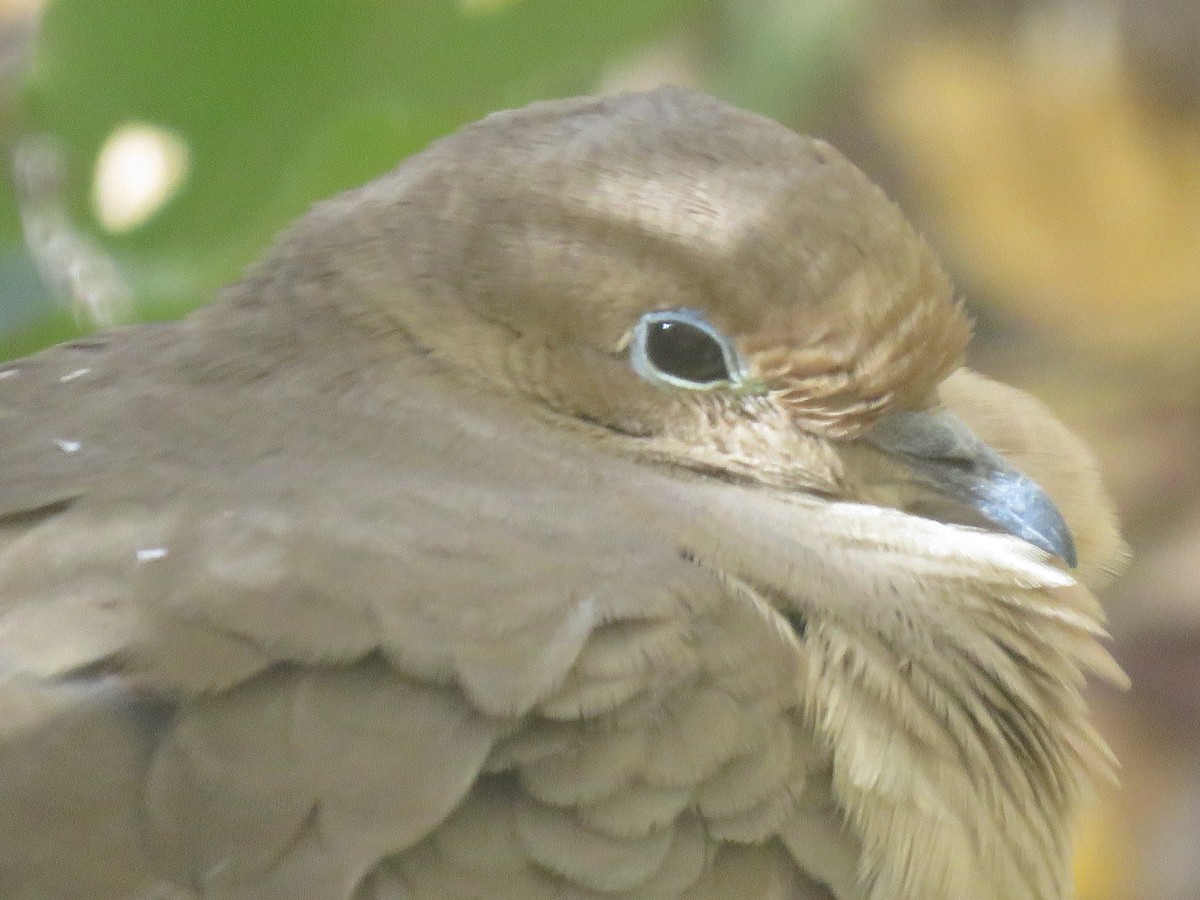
(34, 516)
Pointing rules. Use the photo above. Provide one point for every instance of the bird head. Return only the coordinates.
(695, 286)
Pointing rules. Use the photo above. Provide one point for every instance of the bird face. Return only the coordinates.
(718, 296)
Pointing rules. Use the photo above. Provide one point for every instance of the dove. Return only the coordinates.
(595, 506)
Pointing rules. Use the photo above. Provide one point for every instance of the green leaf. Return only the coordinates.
(280, 102)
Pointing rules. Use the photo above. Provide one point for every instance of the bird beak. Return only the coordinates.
(945, 456)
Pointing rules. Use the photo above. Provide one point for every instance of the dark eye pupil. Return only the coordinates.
(685, 351)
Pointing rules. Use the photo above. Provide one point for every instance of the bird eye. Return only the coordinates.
(679, 348)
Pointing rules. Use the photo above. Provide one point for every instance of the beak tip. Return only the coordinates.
(1016, 504)
(1070, 557)
(1059, 543)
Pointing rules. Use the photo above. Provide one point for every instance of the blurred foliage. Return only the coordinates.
(279, 103)
(784, 58)
(1070, 199)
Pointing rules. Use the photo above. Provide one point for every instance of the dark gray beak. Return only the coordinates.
(945, 457)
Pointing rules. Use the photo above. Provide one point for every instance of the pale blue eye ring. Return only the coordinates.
(679, 348)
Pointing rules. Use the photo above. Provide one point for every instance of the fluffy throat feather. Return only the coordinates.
(963, 748)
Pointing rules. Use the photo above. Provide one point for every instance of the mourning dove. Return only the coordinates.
(593, 507)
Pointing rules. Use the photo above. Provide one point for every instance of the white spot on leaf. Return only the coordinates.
(140, 168)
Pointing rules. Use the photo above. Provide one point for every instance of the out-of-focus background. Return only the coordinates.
(1049, 148)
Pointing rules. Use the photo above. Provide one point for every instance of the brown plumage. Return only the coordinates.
(585, 509)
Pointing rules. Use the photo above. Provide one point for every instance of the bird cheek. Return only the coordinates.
(586, 384)
(868, 476)
(816, 465)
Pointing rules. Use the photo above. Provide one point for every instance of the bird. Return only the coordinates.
(595, 506)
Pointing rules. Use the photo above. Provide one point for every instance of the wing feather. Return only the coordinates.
(344, 611)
